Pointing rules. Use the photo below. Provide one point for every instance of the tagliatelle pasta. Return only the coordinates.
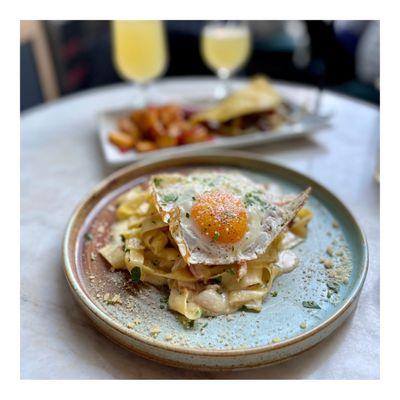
(142, 243)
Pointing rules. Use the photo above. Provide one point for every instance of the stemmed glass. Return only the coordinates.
(225, 48)
(139, 52)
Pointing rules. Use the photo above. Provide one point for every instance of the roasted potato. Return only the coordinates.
(196, 134)
(166, 141)
(128, 126)
(123, 140)
(145, 145)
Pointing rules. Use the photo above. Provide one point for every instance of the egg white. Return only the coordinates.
(175, 195)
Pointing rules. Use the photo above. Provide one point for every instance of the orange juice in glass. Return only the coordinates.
(225, 48)
(139, 50)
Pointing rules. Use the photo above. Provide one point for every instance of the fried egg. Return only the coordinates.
(221, 218)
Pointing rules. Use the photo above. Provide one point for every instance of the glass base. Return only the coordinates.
(220, 91)
(146, 95)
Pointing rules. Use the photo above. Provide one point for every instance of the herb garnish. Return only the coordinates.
(216, 236)
(135, 274)
(274, 294)
(187, 215)
(88, 236)
(190, 323)
(169, 198)
(164, 300)
(252, 198)
(333, 286)
(311, 304)
(157, 181)
(187, 323)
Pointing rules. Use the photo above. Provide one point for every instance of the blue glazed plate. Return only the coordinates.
(136, 317)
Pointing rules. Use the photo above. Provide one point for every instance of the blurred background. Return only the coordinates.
(63, 57)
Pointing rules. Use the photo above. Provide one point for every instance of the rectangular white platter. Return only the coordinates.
(304, 123)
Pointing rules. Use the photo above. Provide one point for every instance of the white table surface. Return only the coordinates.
(60, 163)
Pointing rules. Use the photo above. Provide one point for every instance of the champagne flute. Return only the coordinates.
(139, 52)
(225, 48)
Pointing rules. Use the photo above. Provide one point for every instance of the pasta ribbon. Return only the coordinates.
(114, 254)
(141, 239)
(300, 223)
(179, 301)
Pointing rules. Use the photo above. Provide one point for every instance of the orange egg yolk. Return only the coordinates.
(220, 216)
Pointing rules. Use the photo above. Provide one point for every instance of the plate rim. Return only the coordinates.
(225, 158)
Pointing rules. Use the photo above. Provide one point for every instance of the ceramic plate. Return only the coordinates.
(303, 123)
(131, 315)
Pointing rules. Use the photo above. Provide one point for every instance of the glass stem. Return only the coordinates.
(140, 99)
(223, 88)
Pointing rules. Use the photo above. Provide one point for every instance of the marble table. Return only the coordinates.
(60, 163)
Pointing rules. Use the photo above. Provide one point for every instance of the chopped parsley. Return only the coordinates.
(187, 323)
(333, 286)
(274, 294)
(253, 198)
(135, 274)
(216, 236)
(187, 215)
(157, 181)
(190, 323)
(169, 198)
(88, 236)
(311, 304)
(194, 198)
(205, 181)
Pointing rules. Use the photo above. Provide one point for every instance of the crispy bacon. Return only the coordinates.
(195, 271)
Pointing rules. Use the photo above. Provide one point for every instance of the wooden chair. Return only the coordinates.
(33, 33)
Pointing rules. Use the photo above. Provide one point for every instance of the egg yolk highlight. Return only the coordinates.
(220, 216)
